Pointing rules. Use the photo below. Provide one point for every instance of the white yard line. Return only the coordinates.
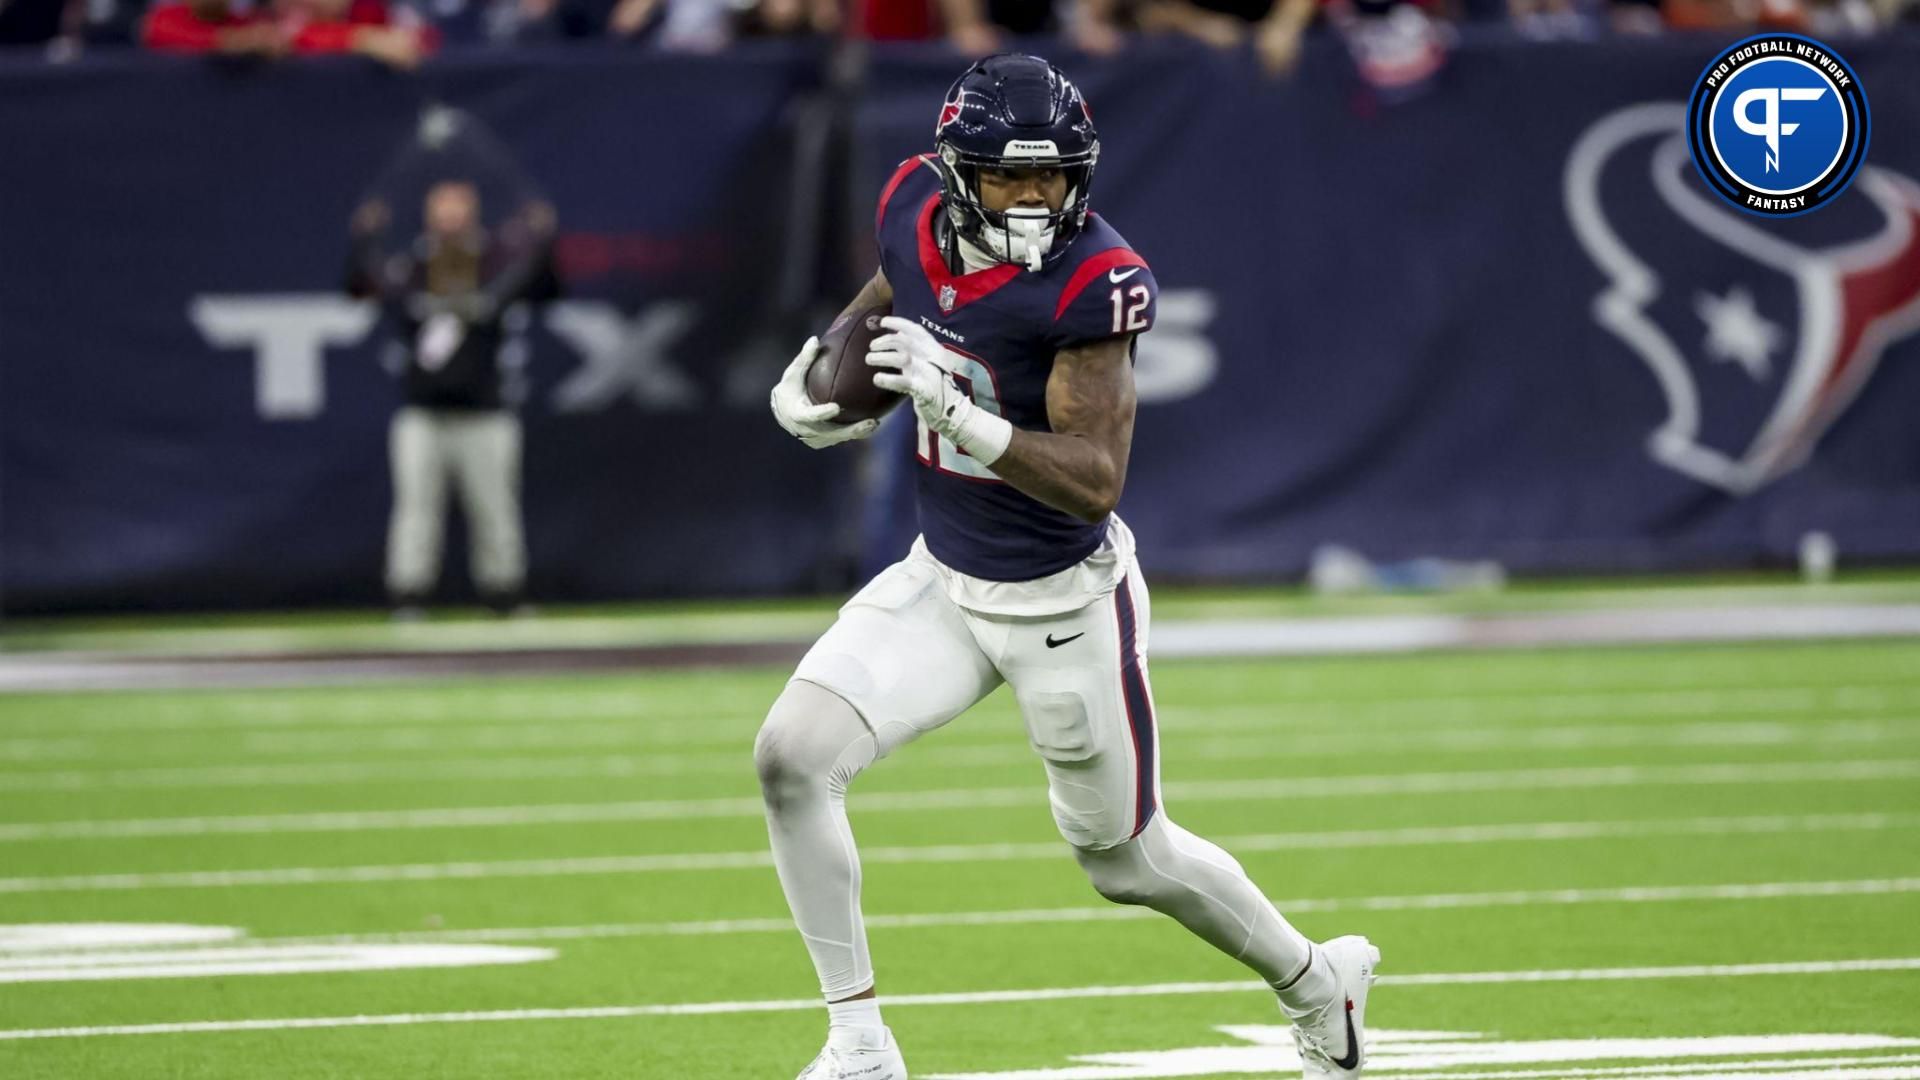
(589, 708)
(1642, 894)
(411, 771)
(1277, 788)
(1429, 712)
(938, 754)
(739, 860)
(255, 959)
(1249, 635)
(552, 727)
(1266, 1049)
(254, 710)
(562, 729)
(31, 749)
(989, 997)
(1401, 633)
(1861, 1068)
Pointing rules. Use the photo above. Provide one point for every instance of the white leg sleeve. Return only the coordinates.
(1204, 889)
(898, 663)
(812, 745)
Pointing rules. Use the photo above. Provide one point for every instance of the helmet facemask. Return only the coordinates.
(1024, 236)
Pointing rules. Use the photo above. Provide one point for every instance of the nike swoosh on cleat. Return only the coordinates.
(1117, 277)
(1052, 644)
(1352, 1060)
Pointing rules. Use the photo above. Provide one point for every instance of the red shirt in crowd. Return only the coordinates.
(337, 36)
(895, 20)
(177, 27)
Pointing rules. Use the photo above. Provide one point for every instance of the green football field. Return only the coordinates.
(1630, 862)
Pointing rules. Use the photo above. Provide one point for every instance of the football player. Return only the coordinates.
(1015, 313)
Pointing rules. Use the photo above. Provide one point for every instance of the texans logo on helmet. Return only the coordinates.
(1758, 342)
(949, 112)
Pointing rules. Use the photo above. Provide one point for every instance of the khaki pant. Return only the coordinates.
(480, 452)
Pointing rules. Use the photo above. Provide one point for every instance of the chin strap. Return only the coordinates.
(947, 239)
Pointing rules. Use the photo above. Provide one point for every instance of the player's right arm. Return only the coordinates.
(811, 423)
(874, 293)
(794, 411)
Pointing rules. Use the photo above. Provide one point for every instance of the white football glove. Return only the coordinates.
(923, 370)
(810, 423)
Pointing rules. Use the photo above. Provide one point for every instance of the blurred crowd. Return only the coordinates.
(400, 33)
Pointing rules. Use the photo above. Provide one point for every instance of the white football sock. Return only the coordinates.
(1312, 988)
(855, 1024)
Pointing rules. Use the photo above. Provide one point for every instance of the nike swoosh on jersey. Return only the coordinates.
(1114, 275)
(1052, 644)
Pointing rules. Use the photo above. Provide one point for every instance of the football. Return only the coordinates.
(840, 373)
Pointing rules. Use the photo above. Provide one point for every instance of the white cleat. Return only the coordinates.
(1332, 1038)
(858, 1063)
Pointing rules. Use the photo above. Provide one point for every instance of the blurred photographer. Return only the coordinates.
(446, 298)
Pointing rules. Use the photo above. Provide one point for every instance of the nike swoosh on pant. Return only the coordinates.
(1352, 1060)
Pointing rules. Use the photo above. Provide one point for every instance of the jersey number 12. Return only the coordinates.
(1129, 310)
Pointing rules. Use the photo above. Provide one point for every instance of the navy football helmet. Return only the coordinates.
(1009, 112)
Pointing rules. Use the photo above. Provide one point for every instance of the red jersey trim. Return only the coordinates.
(899, 176)
(966, 287)
(1083, 275)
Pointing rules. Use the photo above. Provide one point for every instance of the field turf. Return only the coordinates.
(1609, 841)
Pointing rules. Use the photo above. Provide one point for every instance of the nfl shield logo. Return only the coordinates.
(947, 297)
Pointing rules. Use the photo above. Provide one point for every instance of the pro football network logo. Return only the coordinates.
(1778, 125)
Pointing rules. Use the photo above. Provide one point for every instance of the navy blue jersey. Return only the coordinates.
(1003, 324)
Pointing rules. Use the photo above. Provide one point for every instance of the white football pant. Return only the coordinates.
(904, 659)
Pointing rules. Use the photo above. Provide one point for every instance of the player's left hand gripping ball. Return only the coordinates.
(922, 371)
(796, 412)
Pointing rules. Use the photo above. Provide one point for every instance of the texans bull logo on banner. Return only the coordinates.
(1759, 333)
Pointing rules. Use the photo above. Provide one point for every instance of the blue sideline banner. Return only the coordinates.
(192, 413)
(1504, 319)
